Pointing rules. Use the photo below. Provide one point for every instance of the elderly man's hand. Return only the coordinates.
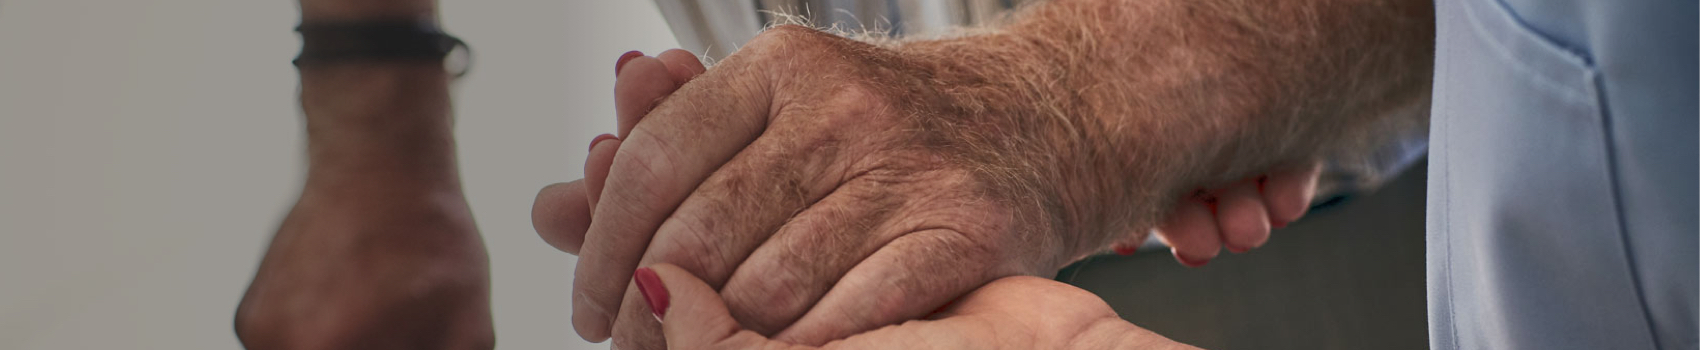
(1010, 313)
(562, 212)
(810, 172)
(887, 174)
(827, 187)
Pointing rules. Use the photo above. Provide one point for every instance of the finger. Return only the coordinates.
(1191, 232)
(1241, 217)
(596, 165)
(1287, 193)
(907, 279)
(691, 312)
(1129, 243)
(681, 64)
(792, 270)
(1031, 295)
(731, 214)
(620, 64)
(643, 82)
(560, 214)
(651, 174)
(1053, 312)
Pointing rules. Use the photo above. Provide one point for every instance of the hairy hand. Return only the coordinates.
(561, 216)
(1018, 312)
(1196, 230)
(851, 189)
(794, 189)
(825, 186)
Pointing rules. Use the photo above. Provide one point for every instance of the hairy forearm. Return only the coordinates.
(1242, 84)
(1139, 101)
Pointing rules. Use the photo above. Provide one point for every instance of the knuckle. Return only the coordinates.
(788, 37)
(794, 49)
(598, 292)
(767, 300)
(691, 245)
(859, 105)
(646, 164)
(856, 97)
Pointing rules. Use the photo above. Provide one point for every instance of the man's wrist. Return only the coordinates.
(1100, 115)
(1023, 95)
(385, 124)
(384, 120)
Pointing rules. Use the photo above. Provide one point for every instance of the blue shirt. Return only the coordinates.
(1562, 177)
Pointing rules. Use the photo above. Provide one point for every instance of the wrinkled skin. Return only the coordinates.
(874, 208)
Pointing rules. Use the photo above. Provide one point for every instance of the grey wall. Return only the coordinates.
(149, 147)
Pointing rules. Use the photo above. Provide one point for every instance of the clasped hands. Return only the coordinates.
(814, 190)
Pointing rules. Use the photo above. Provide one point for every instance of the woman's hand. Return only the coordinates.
(1010, 313)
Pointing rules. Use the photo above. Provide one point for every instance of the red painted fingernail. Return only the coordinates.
(600, 138)
(649, 284)
(1123, 249)
(1188, 262)
(941, 308)
(1277, 223)
(1236, 249)
(628, 56)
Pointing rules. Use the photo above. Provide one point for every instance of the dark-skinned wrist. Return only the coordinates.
(379, 119)
(377, 122)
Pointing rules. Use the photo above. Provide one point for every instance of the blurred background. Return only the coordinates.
(149, 148)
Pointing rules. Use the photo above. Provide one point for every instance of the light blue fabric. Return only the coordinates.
(1562, 176)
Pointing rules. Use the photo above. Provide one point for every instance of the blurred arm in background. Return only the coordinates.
(380, 251)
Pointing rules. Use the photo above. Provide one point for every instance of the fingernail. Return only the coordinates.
(1123, 249)
(1277, 223)
(1235, 249)
(599, 139)
(649, 284)
(1185, 261)
(628, 56)
(1190, 262)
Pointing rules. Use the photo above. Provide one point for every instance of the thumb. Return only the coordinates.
(692, 314)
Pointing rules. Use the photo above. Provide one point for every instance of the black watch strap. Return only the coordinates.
(386, 40)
